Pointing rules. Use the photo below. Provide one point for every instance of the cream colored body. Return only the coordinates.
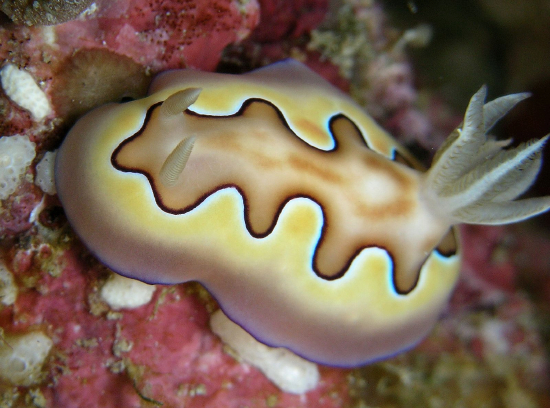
(266, 283)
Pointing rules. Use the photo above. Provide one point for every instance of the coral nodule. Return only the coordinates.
(43, 12)
(94, 77)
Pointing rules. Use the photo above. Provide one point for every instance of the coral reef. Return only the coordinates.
(22, 358)
(289, 19)
(43, 12)
(372, 56)
(486, 351)
(94, 77)
(162, 351)
(109, 54)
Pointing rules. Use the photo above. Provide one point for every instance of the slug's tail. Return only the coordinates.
(474, 180)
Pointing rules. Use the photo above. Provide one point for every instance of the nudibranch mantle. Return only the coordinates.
(310, 225)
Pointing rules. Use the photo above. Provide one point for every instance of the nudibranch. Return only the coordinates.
(312, 227)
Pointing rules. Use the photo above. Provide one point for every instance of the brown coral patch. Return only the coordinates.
(94, 77)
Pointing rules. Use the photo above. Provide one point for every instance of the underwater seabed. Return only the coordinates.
(73, 334)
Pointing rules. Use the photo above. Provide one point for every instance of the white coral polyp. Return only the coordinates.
(8, 288)
(22, 358)
(125, 293)
(45, 173)
(16, 154)
(22, 89)
(285, 369)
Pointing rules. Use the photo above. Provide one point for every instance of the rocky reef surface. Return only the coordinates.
(74, 335)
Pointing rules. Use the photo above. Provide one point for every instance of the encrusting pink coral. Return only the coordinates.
(164, 34)
(163, 351)
(157, 35)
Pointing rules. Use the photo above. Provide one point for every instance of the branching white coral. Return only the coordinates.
(22, 89)
(473, 180)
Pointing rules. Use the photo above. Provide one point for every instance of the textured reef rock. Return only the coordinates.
(53, 74)
(43, 12)
(73, 335)
(160, 352)
(157, 34)
(111, 50)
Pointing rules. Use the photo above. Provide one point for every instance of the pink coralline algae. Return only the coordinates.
(164, 34)
(289, 19)
(163, 352)
(157, 35)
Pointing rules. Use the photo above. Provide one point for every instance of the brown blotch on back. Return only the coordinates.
(255, 151)
(316, 135)
(301, 164)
